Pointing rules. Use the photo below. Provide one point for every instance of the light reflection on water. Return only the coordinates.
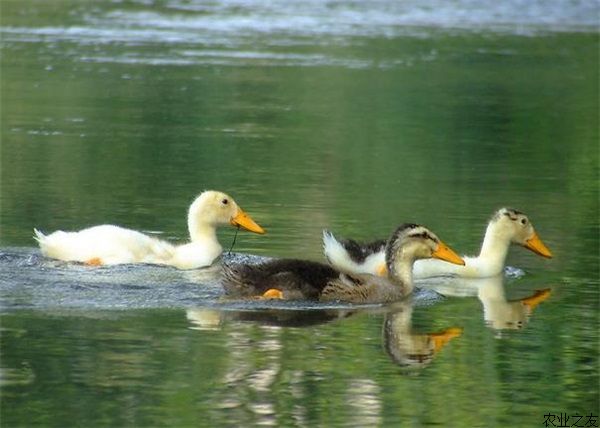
(228, 33)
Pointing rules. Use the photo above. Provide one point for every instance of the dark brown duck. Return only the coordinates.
(294, 279)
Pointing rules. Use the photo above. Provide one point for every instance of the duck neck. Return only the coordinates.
(401, 272)
(495, 246)
(202, 232)
(400, 321)
(200, 228)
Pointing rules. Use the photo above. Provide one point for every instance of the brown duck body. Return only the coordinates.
(300, 279)
(307, 280)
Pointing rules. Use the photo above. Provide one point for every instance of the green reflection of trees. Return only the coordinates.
(354, 150)
(148, 368)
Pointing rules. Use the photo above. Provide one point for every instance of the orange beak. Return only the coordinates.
(440, 339)
(242, 219)
(536, 245)
(538, 297)
(445, 253)
(382, 270)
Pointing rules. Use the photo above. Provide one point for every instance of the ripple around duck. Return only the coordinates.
(30, 281)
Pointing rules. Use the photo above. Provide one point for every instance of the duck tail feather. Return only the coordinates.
(331, 247)
(38, 235)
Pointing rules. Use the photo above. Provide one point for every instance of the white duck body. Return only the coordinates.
(112, 244)
(507, 226)
(109, 244)
(475, 267)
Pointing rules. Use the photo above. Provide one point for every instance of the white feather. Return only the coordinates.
(338, 257)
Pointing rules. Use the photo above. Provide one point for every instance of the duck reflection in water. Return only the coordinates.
(499, 313)
(405, 347)
(212, 319)
(408, 348)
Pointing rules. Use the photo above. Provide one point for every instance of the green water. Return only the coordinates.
(111, 113)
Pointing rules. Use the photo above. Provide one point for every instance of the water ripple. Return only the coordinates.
(30, 281)
(252, 32)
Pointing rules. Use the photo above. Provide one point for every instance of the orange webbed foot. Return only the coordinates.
(272, 293)
(94, 261)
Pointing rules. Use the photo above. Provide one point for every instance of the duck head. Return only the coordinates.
(411, 242)
(516, 227)
(216, 208)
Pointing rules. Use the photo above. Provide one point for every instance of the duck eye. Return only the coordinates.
(224, 201)
(523, 221)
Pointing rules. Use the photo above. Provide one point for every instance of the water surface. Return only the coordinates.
(312, 115)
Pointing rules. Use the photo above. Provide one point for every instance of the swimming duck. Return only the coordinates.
(108, 244)
(301, 279)
(506, 226)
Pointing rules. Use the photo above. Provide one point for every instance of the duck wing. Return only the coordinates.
(362, 289)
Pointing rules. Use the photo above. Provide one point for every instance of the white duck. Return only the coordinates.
(505, 227)
(108, 244)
